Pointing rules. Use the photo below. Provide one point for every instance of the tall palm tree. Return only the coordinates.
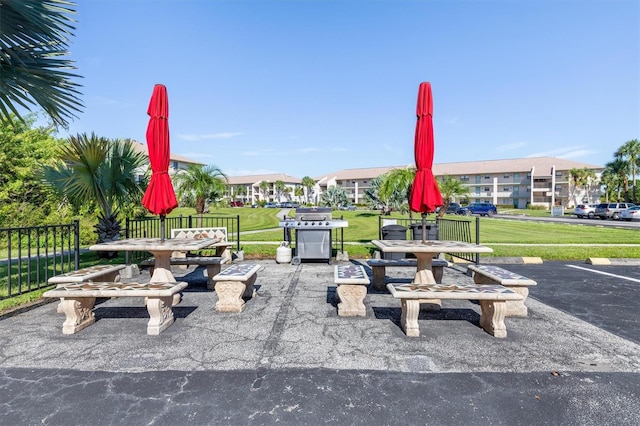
(615, 172)
(201, 183)
(630, 152)
(33, 42)
(579, 179)
(98, 171)
(264, 188)
(308, 182)
(298, 192)
(279, 188)
(450, 189)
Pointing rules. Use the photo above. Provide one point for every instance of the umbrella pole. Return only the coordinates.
(162, 227)
(424, 228)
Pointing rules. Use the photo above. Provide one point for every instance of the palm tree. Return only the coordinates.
(395, 188)
(630, 152)
(264, 188)
(615, 173)
(33, 39)
(579, 179)
(93, 169)
(201, 183)
(279, 188)
(241, 192)
(450, 189)
(298, 192)
(308, 183)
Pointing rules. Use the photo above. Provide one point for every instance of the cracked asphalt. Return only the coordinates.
(289, 359)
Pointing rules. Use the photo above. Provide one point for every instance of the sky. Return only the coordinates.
(309, 87)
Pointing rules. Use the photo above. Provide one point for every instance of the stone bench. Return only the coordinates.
(493, 303)
(212, 263)
(77, 301)
(378, 266)
(233, 284)
(90, 273)
(489, 274)
(222, 248)
(352, 282)
(110, 273)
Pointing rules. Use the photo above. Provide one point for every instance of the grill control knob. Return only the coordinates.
(327, 223)
(306, 223)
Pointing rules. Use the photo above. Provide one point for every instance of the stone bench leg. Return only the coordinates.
(212, 271)
(492, 317)
(79, 313)
(351, 298)
(409, 318)
(160, 313)
(231, 293)
(515, 308)
(379, 273)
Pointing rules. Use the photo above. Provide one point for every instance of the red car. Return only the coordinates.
(236, 204)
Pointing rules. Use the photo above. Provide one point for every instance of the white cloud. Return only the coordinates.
(209, 136)
(558, 152)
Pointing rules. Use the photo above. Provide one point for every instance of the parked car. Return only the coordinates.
(270, 205)
(290, 205)
(483, 209)
(236, 204)
(453, 208)
(632, 213)
(585, 210)
(611, 210)
(350, 207)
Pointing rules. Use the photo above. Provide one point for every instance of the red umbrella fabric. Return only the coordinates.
(425, 194)
(160, 197)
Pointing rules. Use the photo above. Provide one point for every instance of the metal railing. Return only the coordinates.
(36, 253)
(446, 229)
(149, 227)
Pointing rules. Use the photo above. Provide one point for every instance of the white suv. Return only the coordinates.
(585, 210)
(611, 210)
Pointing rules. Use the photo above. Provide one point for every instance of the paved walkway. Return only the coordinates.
(289, 359)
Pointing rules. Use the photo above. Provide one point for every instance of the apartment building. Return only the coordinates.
(537, 181)
(247, 188)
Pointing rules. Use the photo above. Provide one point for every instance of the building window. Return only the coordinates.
(486, 189)
(506, 176)
(487, 177)
(174, 164)
(558, 173)
(477, 178)
(338, 182)
(528, 175)
(464, 178)
(516, 176)
(506, 188)
(477, 190)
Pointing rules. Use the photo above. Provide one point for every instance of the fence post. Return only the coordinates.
(478, 238)
(76, 243)
(238, 231)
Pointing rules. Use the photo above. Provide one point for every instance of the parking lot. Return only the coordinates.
(599, 295)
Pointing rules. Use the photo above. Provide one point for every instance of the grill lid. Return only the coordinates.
(313, 213)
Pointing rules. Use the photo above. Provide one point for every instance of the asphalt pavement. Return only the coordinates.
(289, 359)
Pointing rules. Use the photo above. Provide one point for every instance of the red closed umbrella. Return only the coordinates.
(160, 197)
(425, 194)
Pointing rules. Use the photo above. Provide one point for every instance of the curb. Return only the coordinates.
(605, 261)
(504, 260)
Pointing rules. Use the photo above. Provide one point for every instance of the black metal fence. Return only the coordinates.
(445, 229)
(150, 227)
(36, 253)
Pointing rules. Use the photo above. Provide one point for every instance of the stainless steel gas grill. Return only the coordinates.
(313, 232)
